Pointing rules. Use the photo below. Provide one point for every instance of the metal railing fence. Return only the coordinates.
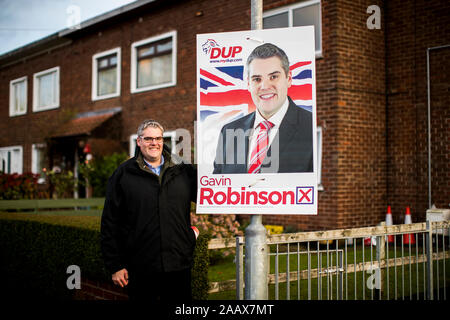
(408, 261)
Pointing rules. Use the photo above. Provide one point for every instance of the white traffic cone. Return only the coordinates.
(390, 238)
(408, 238)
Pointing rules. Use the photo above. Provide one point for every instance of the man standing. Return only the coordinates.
(277, 137)
(146, 236)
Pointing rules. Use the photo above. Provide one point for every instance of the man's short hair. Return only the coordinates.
(149, 123)
(269, 50)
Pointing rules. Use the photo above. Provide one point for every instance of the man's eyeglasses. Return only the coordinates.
(152, 139)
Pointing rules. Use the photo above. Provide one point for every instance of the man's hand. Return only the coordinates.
(120, 278)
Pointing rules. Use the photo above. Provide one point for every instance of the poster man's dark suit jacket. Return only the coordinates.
(295, 144)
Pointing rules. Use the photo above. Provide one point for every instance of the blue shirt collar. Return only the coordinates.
(156, 170)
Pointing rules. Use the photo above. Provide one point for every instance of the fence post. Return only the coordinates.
(239, 269)
(429, 248)
(381, 255)
(340, 272)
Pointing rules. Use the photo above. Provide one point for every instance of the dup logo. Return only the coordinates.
(305, 195)
(214, 50)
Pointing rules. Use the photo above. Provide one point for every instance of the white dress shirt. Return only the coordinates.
(275, 119)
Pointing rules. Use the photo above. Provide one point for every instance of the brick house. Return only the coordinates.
(86, 90)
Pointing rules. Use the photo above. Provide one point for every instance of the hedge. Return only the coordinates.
(35, 252)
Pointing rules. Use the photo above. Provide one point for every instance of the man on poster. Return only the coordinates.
(277, 137)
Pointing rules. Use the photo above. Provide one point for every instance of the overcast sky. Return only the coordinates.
(25, 21)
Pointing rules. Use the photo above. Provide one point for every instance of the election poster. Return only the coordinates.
(256, 122)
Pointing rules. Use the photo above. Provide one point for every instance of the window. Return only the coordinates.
(38, 162)
(18, 97)
(153, 63)
(169, 140)
(106, 74)
(11, 159)
(46, 90)
(305, 13)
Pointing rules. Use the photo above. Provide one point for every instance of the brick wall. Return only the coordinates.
(374, 145)
(413, 27)
(351, 111)
(174, 106)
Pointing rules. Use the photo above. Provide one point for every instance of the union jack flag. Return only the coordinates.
(224, 96)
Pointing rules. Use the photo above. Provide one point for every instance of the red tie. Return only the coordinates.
(260, 150)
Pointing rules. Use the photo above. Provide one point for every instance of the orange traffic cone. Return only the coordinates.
(390, 238)
(370, 241)
(408, 238)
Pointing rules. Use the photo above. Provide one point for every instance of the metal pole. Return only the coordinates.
(256, 14)
(256, 271)
(256, 260)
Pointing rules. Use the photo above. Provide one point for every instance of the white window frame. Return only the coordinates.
(137, 44)
(54, 105)
(167, 134)
(290, 8)
(34, 165)
(19, 165)
(12, 96)
(95, 59)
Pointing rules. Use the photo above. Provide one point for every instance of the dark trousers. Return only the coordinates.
(160, 286)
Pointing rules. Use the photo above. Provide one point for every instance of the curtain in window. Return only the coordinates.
(19, 97)
(308, 16)
(154, 71)
(47, 89)
(107, 81)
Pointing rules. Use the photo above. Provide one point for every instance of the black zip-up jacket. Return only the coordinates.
(145, 223)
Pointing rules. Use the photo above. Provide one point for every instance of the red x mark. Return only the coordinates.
(305, 195)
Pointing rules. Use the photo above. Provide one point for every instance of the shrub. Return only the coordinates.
(218, 226)
(18, 186)
(221, 226)
(61, 183)
(38, 255)
(98, 171)
(200, 283)
(39, 251)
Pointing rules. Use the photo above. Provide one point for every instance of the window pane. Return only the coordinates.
(102, 63)
(113, 60)
(107, 81)
(47, 88)
(308, 16)
(146, 51)
(164, 47)
(277, 21)
(16, 161)
(153, 71)
(19, 96)
(11, 160)
(39, 161)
